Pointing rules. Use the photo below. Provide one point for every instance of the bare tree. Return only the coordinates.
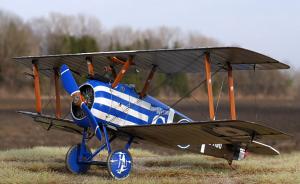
(47, 35)
(16, 39)
(198, 40)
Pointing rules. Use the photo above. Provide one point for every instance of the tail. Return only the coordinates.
(262, 149)
(254, 147)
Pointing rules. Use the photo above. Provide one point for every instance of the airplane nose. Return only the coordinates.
(87, 92)
(71, 87)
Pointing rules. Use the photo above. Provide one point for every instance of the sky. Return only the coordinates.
(271, 27)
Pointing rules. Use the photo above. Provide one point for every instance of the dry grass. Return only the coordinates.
(46, 165)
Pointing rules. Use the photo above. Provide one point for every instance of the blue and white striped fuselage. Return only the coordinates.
(122, 106)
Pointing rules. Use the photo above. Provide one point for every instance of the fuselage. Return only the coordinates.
(122, 106)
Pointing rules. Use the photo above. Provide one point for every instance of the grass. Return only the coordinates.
(46, 165)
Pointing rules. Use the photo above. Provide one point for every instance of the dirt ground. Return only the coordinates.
(18, 131)
(46, 165)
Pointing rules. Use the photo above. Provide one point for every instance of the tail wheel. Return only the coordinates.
(72, 160)
(119, 164)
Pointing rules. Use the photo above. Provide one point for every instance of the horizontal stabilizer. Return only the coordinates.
(261, 148)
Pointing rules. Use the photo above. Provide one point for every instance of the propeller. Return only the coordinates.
(71, 87)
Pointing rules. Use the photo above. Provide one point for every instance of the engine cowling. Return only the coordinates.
(77, 113)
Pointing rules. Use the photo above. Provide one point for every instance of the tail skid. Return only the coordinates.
(254, 147)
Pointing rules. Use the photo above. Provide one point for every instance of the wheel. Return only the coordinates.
(119, 164)
(72, 159)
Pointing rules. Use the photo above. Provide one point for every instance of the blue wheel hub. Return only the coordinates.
(119, 164)
(74, 162)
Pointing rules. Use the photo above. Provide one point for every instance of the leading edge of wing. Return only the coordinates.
(126, 52)
(240, 58)
(209, 132)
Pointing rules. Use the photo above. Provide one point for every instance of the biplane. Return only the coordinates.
(105, 108)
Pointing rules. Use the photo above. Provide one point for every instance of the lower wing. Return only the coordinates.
(53, 122)
(194, 133)
(210, 132)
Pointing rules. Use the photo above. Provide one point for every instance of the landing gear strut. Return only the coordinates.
(119, 163)
(230, 164)
(73, 158)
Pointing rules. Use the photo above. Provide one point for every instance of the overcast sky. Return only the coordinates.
(271, 27)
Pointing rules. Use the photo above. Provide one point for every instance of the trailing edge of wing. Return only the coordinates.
(167, 60)
(213, 132)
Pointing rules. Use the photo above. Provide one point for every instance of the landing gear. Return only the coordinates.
(230, 164)
(119, 164)
(73, 160)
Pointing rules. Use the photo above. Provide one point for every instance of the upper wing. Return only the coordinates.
(167, 60)
(214, 132)
(52, 122)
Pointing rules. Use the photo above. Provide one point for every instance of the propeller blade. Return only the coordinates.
(93, 123)
(68, 80)
(71, 87)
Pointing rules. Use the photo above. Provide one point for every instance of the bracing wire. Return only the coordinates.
(169, 76)
(255, 91)
(219, 96)
(160, 84)
(49, 96)
(193, 89)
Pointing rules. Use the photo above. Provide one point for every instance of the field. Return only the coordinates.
(46, 165)
(23, 162)
(17, 131)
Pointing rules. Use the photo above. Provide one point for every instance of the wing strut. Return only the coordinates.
(231, 93)
(90, 66)
(37, 91)
(117, 60)
(148, 80)
(122, 72)
(57, 93)
(209, 86)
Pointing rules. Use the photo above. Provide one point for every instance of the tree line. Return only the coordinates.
(60, 34)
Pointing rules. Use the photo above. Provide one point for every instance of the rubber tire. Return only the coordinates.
(71, 161)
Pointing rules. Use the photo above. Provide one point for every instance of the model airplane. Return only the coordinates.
(108, 109)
